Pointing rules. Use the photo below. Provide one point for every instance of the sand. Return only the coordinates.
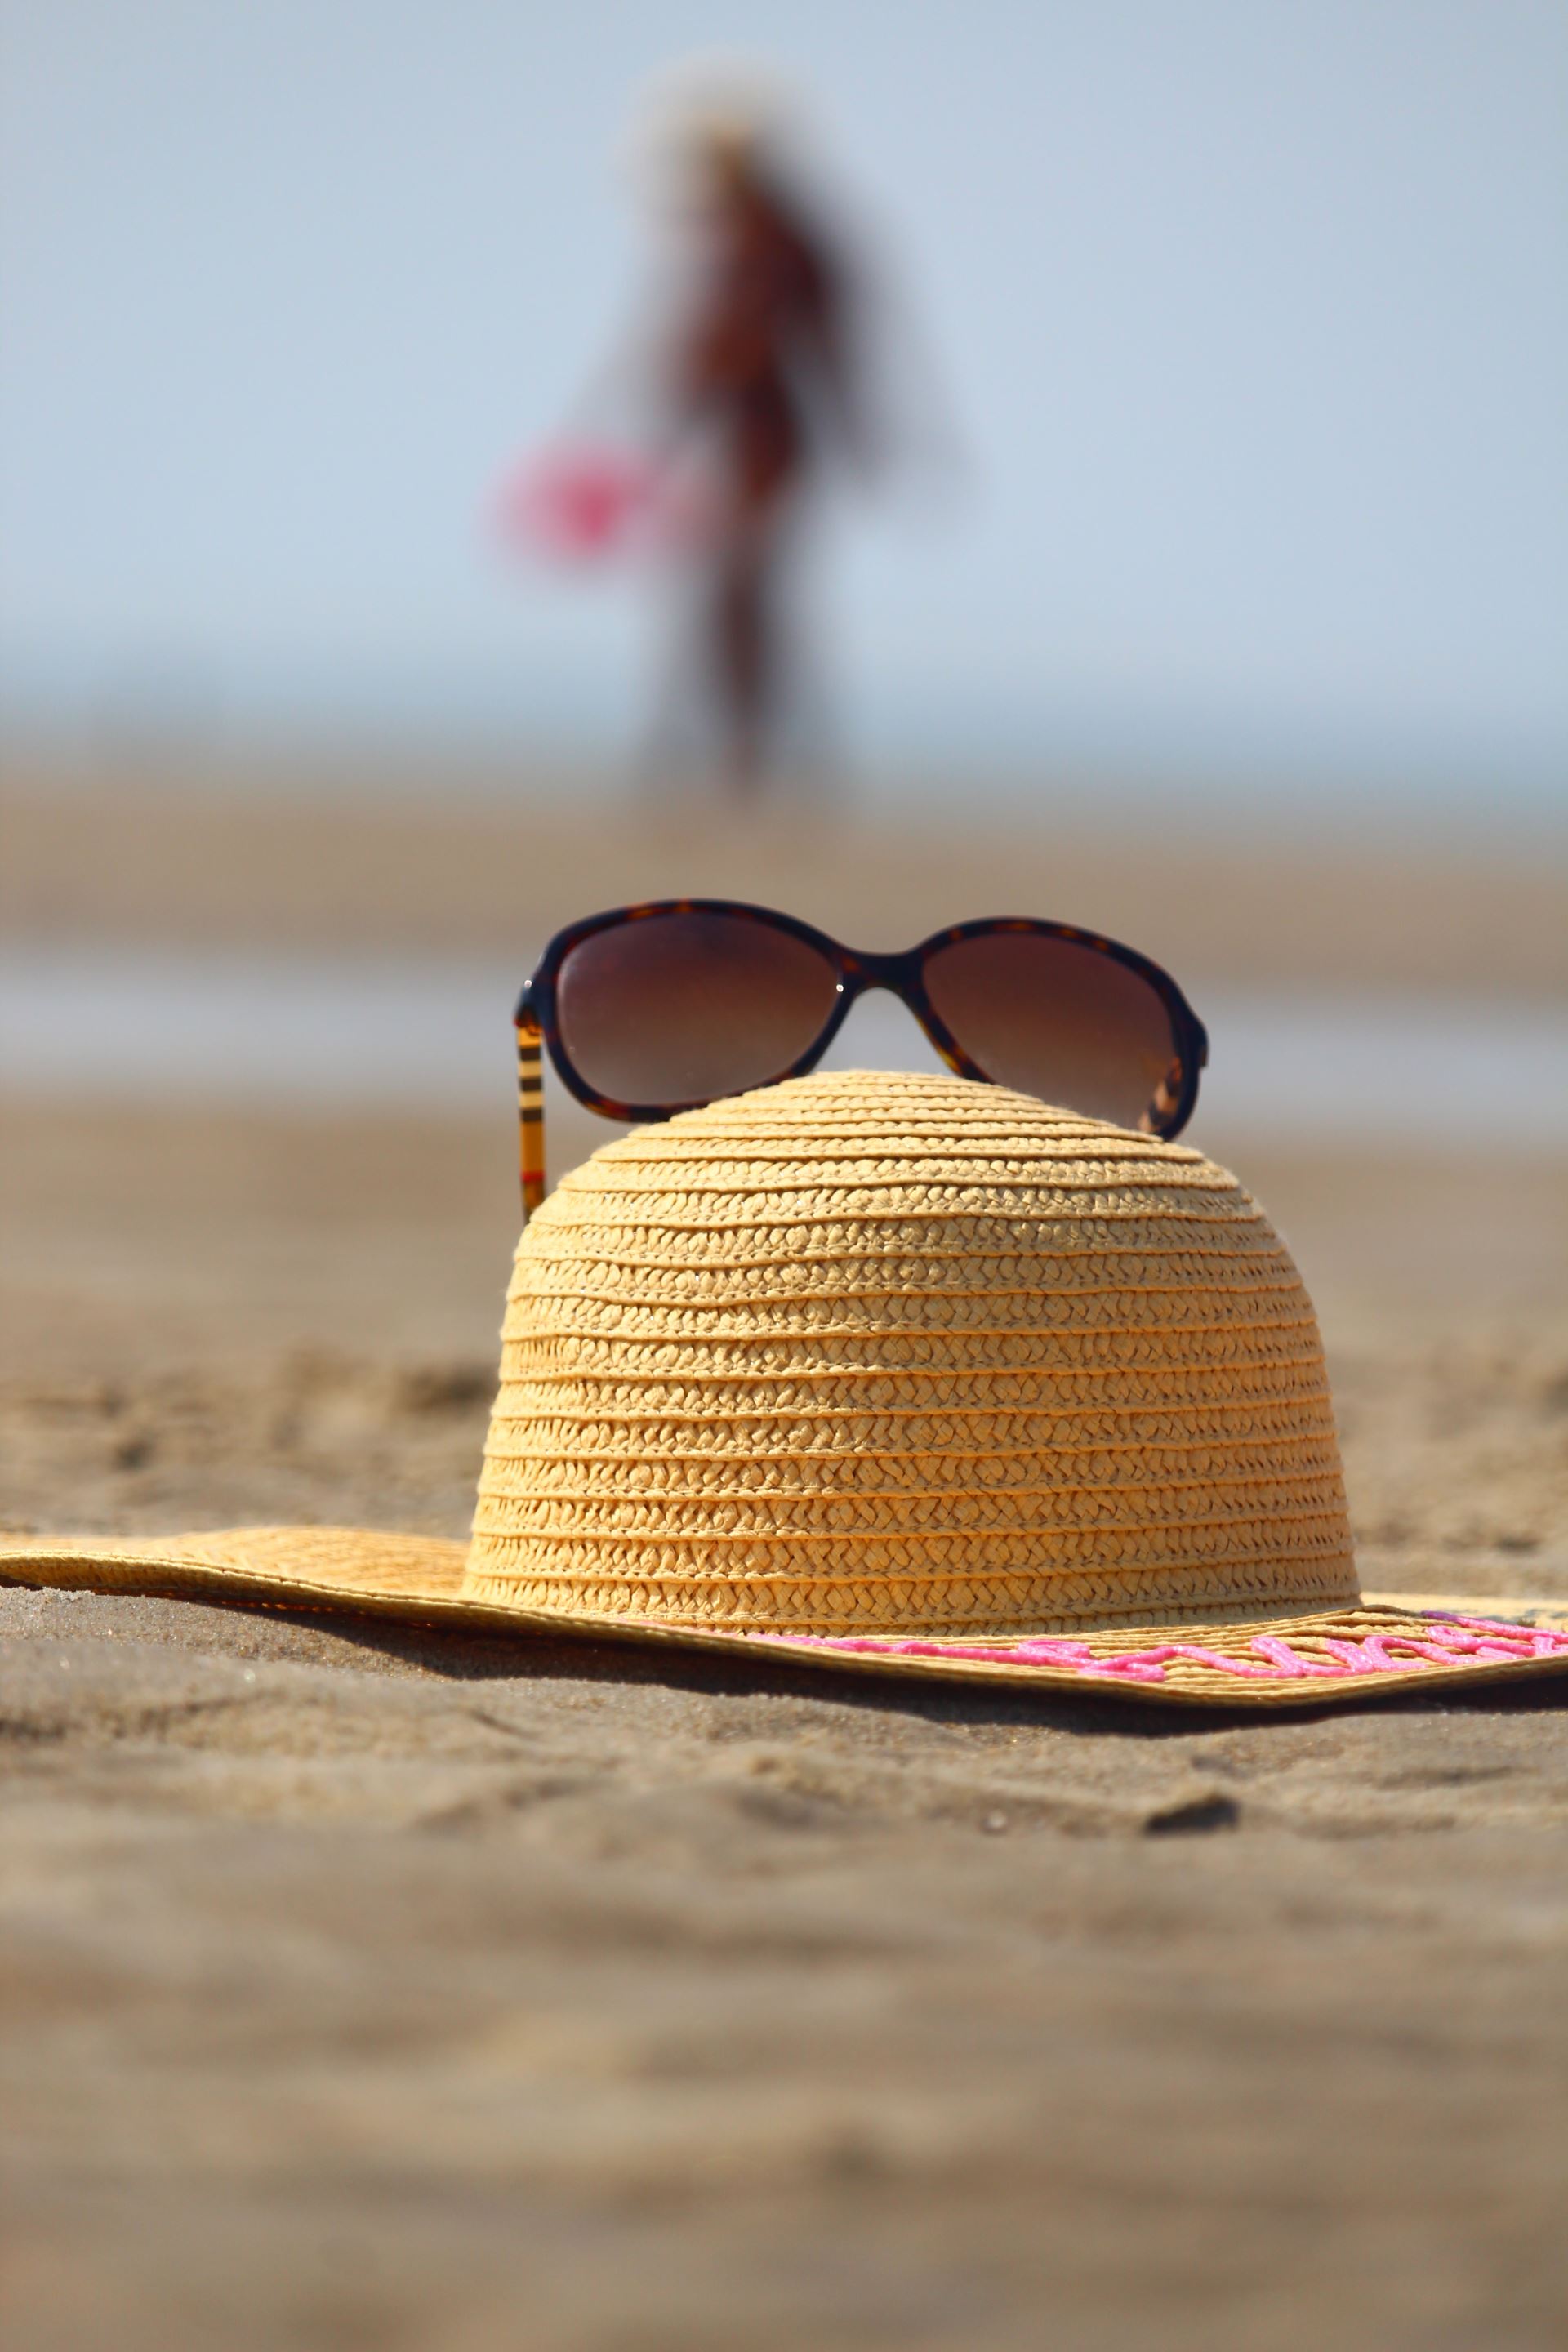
(369, 1987)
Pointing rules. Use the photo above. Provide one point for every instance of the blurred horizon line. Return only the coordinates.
(505, 730)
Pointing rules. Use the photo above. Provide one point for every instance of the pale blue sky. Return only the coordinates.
(1253, 314)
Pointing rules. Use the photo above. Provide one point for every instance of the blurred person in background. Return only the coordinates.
(763, 375)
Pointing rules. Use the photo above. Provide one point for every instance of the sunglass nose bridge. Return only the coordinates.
(896, 975)
(892, 971)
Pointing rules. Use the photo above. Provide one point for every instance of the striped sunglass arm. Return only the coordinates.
(529, 1114)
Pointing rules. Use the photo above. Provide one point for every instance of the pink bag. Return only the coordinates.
(586, 505)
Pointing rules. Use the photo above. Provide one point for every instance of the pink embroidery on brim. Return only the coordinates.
(1449, 1640)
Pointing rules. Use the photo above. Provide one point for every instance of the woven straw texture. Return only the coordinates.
(866, 1352)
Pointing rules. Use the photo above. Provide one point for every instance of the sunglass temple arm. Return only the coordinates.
(530, 1113)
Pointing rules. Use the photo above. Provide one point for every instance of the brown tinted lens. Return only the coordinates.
(682, 1008)
(1062, 1022)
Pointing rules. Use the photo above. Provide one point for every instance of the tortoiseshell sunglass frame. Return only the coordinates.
(538, 1025)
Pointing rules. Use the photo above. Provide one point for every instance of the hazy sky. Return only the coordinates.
(1253, 315)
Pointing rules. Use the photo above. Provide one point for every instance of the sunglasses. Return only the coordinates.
(658, 1008)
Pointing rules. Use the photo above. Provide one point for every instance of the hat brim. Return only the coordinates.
(1386, 1643)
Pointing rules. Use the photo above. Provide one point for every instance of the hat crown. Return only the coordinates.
(876, 1351)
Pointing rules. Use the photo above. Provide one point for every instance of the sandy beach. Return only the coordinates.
(377, 1988)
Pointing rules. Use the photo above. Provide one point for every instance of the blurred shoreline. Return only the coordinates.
(445, 862)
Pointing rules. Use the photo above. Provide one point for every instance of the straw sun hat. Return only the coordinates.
(907, 1375)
